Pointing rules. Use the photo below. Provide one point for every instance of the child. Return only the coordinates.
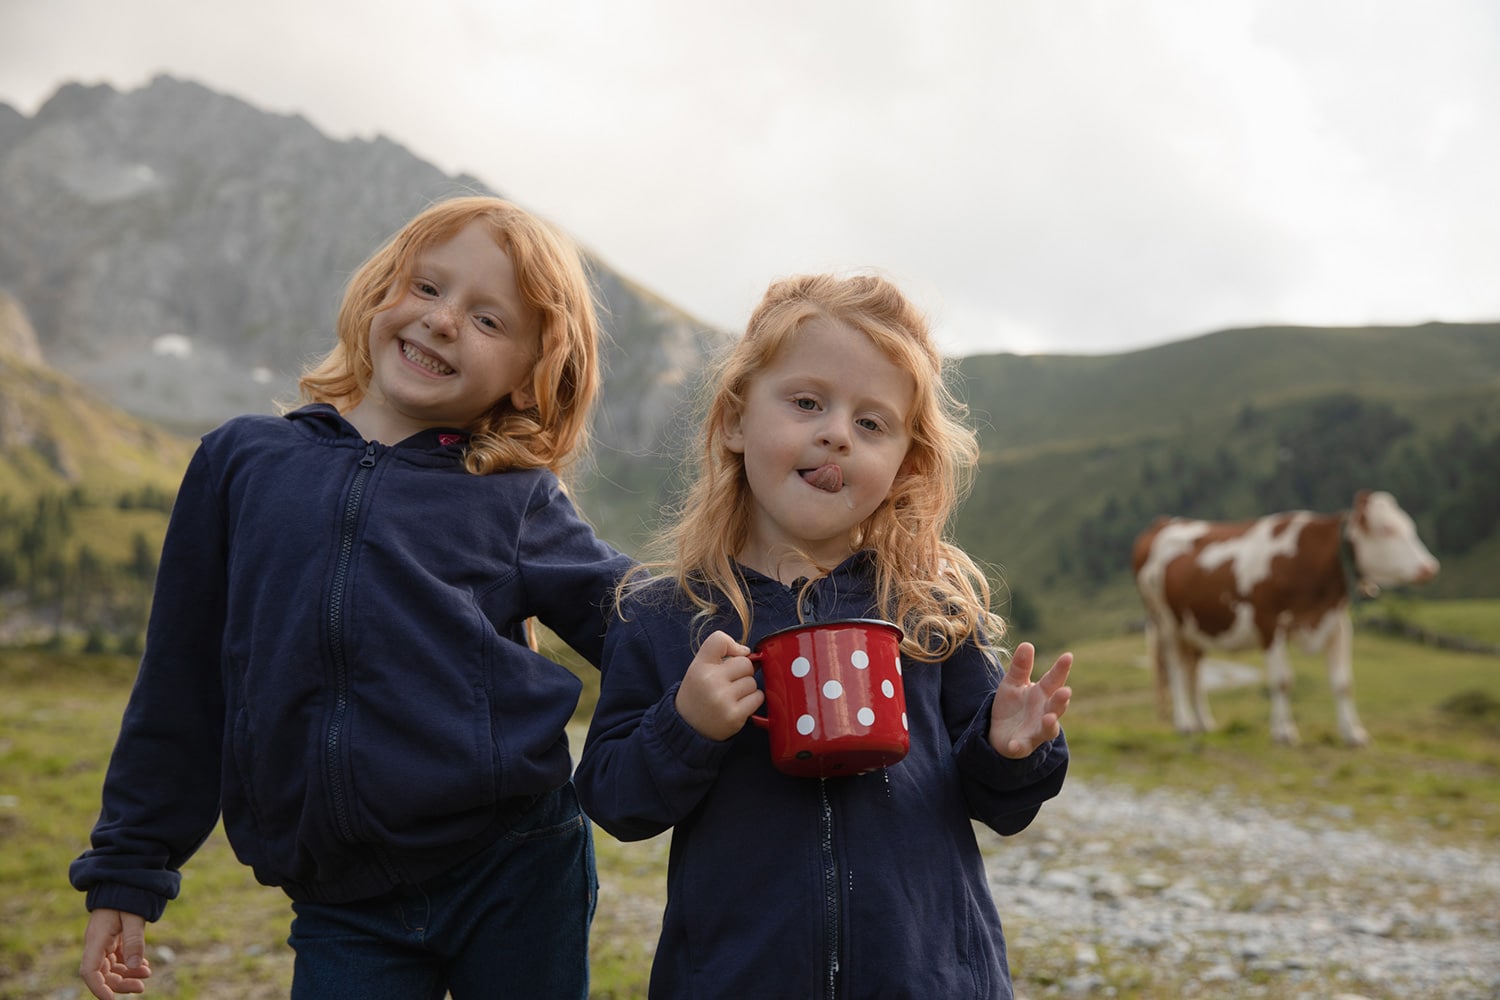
(831, 463)
(336, 654)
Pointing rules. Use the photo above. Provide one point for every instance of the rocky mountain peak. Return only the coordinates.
(17, 338)
(183, 253)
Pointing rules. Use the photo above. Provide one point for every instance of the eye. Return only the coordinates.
(488, 322)
(424, 288)
(805, 403)
(870, 424)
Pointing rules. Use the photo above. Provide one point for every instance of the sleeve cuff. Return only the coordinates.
(681, 741)
(982, 762)
(125, 898)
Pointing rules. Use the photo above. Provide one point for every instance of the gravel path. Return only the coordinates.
(1228, 901)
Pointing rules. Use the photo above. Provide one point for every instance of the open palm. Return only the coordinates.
(1026, 713)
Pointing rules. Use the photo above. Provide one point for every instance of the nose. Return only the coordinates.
(833, 436)
(442, 319)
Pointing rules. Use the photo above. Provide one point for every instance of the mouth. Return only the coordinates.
(421, 358)
(828, 478)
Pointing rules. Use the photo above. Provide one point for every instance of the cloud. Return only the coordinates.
(1042, 175)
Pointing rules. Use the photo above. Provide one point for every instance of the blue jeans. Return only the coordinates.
(511, 922)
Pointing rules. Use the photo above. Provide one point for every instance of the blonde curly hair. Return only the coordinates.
(551, 279)
(924, 583)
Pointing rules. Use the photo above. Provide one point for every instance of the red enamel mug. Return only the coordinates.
(835, 704)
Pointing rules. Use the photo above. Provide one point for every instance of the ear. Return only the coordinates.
(522, 397)
(734, 432)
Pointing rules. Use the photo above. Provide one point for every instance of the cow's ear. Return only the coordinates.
(1361, 501)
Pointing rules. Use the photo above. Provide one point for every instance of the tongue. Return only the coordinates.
(827, 477)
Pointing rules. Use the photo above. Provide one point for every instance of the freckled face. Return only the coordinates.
(457, 340)
(823, 434)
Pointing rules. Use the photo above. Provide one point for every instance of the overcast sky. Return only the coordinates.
(1058, 176)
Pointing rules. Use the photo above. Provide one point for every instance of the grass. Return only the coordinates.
(1472, 619)
(58, 721)
(1431, 770)
(1430, 777)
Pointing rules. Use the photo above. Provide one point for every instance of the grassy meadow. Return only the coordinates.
(1431, 776)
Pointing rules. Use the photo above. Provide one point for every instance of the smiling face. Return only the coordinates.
(823, 434)
(456, 340)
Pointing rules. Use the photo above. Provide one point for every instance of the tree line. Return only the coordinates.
(1314, 456)
(62, 582)
(1322, 453)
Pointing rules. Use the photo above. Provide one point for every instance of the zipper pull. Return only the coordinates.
(369, 460)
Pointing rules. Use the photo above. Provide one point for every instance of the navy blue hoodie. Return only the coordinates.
(335, 661)
(866, 886)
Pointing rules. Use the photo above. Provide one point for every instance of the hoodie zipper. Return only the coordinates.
(336, 600)
(830, 896)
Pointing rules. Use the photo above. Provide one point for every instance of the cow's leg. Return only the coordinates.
(1279, 682)
(1199, 690)
(1182, 674)
(1156, 662)
(1340, 654)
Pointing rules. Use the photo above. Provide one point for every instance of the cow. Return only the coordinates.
(1262, 583)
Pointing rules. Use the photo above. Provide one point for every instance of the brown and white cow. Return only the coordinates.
(1262, 583)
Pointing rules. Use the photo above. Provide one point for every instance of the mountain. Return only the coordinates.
(171, 256)
(84, 493)
(17, 336)
(183, 254)
(57, 436)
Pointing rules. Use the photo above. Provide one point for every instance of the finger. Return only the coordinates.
(130, 984)
(94, 980)
(1018, 748)
(739, 668)
(133, 942)
(123, 971)
(99, 940)
(1057, 675)
(1021, 663)
(750, 702)
(743, 687)
(722, 645)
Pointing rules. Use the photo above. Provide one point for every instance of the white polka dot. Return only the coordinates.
(860, 659)
(903, 721)
(800, 667)
(805, 724)
(832, 690)
(888, 689)
(898, 666)
(865, 717)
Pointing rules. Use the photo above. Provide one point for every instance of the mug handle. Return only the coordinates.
(756, 718)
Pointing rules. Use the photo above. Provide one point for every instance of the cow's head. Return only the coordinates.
(1387, 551)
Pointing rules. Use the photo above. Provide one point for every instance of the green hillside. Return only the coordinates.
(56, 436)
(1029, 402)
(1080, 453)
(85, 490)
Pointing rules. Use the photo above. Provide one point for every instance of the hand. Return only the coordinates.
(1025, 714)
(718, 692)
(114, 954)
